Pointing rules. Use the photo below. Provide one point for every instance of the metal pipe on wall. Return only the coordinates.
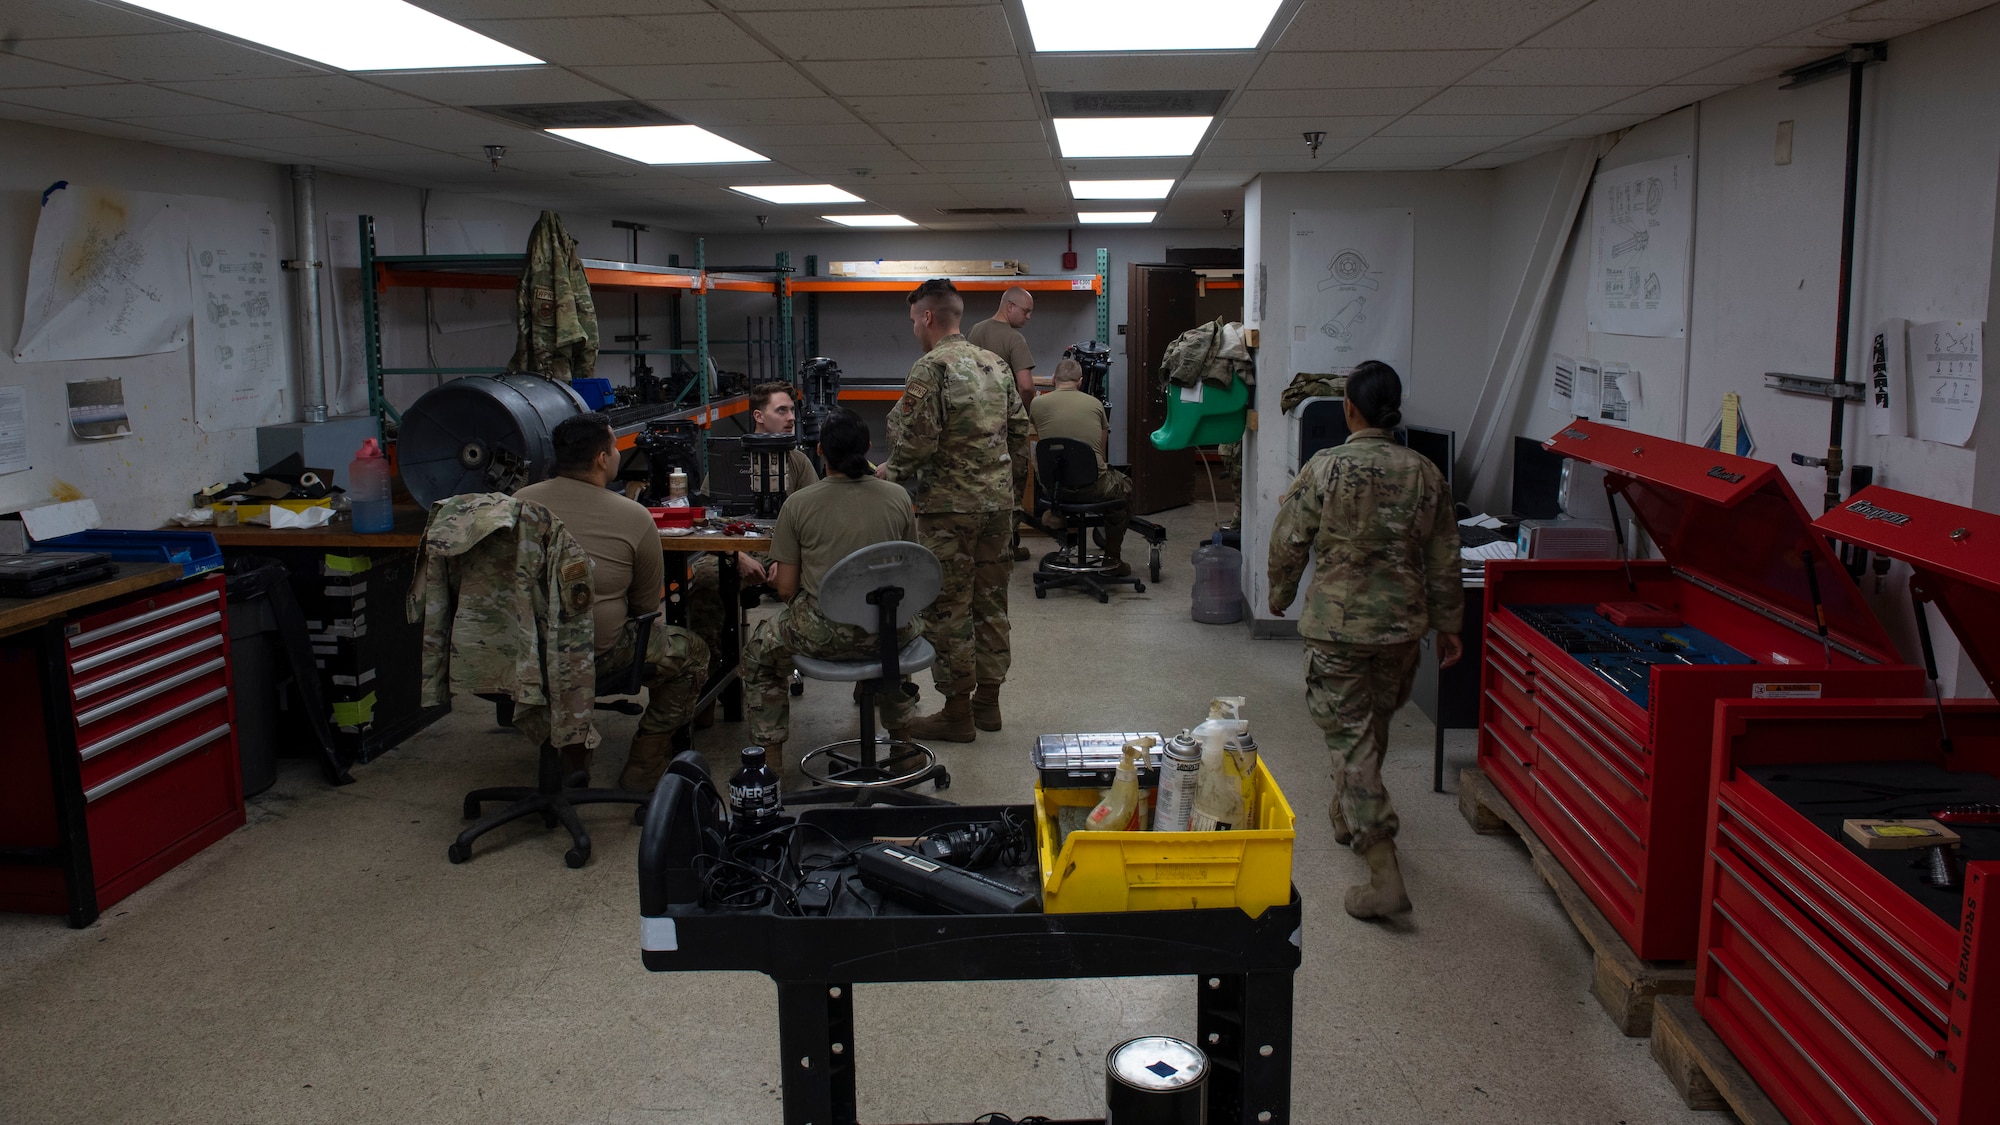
(305, 265)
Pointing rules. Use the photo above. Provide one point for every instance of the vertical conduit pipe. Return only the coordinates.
(306, 266)
(1857, 59)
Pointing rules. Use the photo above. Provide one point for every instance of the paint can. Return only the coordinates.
(1155, 1080)
(1180, 776)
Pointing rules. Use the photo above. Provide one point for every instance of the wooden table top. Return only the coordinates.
(19, 614)
(706, 542)
(407, 534)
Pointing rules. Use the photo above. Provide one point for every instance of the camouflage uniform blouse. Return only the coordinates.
(959, 434)
(1377, 520)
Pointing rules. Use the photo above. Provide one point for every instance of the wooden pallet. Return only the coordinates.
(1704, 1071)
(1625, 985)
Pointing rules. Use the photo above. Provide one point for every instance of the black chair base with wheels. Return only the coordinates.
(1063, 465)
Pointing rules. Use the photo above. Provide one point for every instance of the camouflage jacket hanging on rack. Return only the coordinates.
(1214, 352)
(554, 316)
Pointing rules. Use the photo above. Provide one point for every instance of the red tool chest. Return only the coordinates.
(1620, 790)
(1849, 987)
(153, 777)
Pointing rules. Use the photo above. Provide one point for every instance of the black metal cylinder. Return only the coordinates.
(1155, 1080)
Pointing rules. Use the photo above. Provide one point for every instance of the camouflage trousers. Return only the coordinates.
(968, 621)
(1232, 470)
(801, 628)
(676, 669)
(1352, 690)
(1109, 485)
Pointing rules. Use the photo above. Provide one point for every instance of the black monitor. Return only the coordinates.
(1322, 425)
(1441, 446)
(1537, 481)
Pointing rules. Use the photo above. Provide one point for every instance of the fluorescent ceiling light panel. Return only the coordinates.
(1130, 136)
(663, 144)
(869, 220)
(1147, 25)
(1120, 189)
(1115, 216)
(799, 193)
(350, 35)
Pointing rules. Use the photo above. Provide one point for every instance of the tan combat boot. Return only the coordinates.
(986, 706)
(646, 761)
(1383, 894)
(951, 723)
(1342, 834)
(574, 768)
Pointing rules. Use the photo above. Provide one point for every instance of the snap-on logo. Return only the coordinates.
(1869, 511)
(1576, 435)
(1720, 473)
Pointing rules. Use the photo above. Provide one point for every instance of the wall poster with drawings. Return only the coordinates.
(1640, 223)
(1352, 289)
(242, 375)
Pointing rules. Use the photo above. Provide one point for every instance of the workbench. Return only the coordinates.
(726, 686)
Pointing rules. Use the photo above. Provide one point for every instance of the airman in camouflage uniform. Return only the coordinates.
(554, 316)
(504, 595)
(1376, 520)
(958, 438)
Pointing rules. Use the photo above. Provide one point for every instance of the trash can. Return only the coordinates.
(257, 665)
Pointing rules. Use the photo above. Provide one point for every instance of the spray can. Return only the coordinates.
(1155, 1080)
(1180, 775)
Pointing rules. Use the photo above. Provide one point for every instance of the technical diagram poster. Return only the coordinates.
(1640, 222)
(1888, 402)
(1352, 289)
(241, 377)
(107, 277)
(1945, 375)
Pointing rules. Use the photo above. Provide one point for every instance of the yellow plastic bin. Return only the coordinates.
(1102, 871)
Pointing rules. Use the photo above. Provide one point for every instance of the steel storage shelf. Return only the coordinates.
(1620, 790)
(1098, 284)
(1850, 988)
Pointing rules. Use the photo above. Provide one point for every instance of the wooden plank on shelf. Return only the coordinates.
(1701, 1068)
(1065, 283)
(1625, 985)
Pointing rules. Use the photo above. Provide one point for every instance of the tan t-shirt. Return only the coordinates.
(826, 522)
(1004, 340)
(1070, 414)
(799, 471)
(627, 572)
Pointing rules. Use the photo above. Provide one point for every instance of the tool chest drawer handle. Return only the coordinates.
(1556, 799)
(140, 644)
(1799, 1051)
(1828, 895)
(1509, 659)
(153, 724)
(86, 690)
(1550, 754)
(1501, 706)
(103, 788)
(146, 618)
(1508, 747)
(1576, 709)
(1559, 712)
(1925, 1044)
(151, 691)
(1500, 670)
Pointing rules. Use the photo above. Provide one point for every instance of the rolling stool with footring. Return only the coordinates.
(1062, 465)
(879, 588)
(551, 795)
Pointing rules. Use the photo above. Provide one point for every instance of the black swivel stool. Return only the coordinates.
(1063, 465)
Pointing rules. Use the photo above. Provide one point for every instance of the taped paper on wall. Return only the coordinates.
(1589, 387)
(240, 360)
(97, 409)
(1562, 383)
(1620, 394)
(13, 429)
(1888, 401)
(107, 277)
(1946, 356)
(1640, 227)
(1352, 289)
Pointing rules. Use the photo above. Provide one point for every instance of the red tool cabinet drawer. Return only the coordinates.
(1613, 778)
(1582, 802)
(1584, 848)
(1513, 740)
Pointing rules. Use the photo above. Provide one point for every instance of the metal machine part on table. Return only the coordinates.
(482, 433)
(667, 444)
(1623, 656)
(1095, 359)
(819, 396)
(769, 456)
(1087, 761)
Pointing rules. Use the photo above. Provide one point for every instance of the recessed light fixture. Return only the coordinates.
(664, 144)
(352, 35)
(1130, 136)
(1147, 25)
(799, 193)
(869, 220)
(1120, 189)
(1095, 217)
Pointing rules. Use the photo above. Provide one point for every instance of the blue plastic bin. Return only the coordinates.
(194, 551)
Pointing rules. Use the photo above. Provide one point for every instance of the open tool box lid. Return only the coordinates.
(1729, 521)
(1955, 552)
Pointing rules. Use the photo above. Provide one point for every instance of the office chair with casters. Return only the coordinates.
(1061, 466)
(879, 588)
(552, 796)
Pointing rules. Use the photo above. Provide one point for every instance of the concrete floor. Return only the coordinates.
(326, 964)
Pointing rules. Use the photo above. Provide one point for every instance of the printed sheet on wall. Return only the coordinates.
(1640, 222)
(241, 377)
(1352, 289)
(107, 276)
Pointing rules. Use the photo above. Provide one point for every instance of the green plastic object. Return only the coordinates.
(1216, 419)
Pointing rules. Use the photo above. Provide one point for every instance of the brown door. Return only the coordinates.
(1160, 305)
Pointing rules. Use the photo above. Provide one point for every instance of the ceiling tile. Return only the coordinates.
(932, 132)
(238, 126)
(1665, 99)
(1341, 70)
(1026, 152)
(879, 33)
(66, 20)
(187, 55)
(1687, 23)
(1235, 128)
(701, 81)
(722, 113)
(1531, 145)
(1415, 25)
(1209, 180)
(947, 107)
(855, 155)
(468, 10)
(1471, 125)
(291, 95)
(439, 128)
(1203, 70)
(1487, 160)
(1883, 19)
(612, 41)
(125, 130)
(1294, 145)
(1019, 176)
(232, 148)
(17, 72)
(950, 167)
(1592, 124)
(778, 136)
(1576, 66)
(1330, 103)
(1001, 75)
(1458, 148)
(1377, 162)
(496, 87)
(1754, 65)
(348, 144)
(124, 100)
(1527, 99)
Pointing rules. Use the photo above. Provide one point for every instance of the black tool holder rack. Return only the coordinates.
(1242, 966)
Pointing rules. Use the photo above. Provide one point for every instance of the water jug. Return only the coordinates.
(1218, 583)
(368, 489)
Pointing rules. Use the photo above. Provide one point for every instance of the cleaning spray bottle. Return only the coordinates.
(1241, 751)
(1218, 798)
(1121, 809)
